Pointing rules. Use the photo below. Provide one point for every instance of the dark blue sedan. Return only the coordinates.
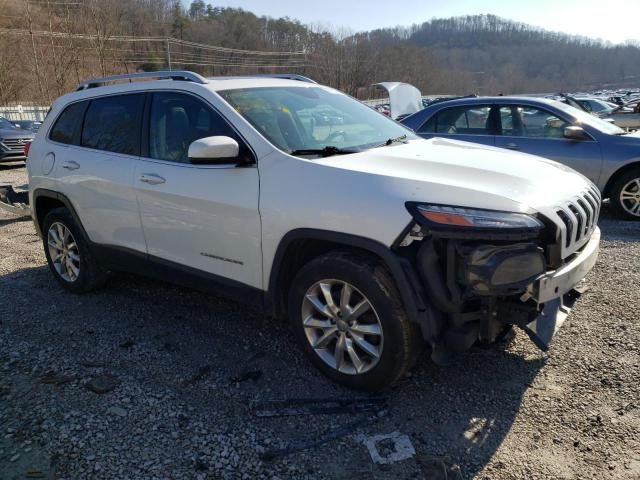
(599, 150)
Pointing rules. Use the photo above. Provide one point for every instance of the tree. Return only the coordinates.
(197, 10)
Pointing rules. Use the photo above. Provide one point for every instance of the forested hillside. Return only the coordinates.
(514, 57)
(46, 47)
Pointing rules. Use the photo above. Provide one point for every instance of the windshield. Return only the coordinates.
(304, 118)
(595, 105)
(588, 119)
(6, 124)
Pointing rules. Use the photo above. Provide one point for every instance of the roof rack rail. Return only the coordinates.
(286, 76)
(163, 74)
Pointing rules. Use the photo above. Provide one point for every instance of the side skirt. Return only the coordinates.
(120, 259)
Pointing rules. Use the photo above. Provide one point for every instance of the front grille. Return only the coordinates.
(580, 217)
(15, 143)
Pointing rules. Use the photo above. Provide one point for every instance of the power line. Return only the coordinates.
(129, 38)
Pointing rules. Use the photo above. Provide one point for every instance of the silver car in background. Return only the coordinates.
(598, 149)
(626, 116)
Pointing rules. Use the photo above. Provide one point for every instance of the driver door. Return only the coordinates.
(195, 217)
(540, 132)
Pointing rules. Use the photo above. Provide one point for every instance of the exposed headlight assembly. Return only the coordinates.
(444, 216)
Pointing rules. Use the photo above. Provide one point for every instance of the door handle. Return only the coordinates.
(512, 146)
(151, 179)
(70, 165)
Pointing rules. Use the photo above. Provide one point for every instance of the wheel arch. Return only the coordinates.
(45, 200)
(617, 174)
(300, 246)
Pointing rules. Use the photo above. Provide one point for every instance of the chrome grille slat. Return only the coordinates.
(580, 218)
(568, 224)
(15, 143)
(589, 212)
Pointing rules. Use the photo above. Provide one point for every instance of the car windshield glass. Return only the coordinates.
(314, 120)
(588, 119)
(4, 123)
(600, 106)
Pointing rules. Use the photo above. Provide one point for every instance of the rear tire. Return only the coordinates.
(625, 195)
(68, 254)
(347, 315)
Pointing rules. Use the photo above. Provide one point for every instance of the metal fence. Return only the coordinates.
(24, 112)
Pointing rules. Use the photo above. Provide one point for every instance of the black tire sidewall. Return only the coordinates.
(615, 195)
(373, 282)
(63, 216)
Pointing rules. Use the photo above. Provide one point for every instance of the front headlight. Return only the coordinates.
(462, 217)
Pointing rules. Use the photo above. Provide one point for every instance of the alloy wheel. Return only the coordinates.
(63, 251)
(342, 327)
(630, 197)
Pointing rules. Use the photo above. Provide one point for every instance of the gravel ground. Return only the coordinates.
(183, 369)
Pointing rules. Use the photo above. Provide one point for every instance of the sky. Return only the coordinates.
(611, 20)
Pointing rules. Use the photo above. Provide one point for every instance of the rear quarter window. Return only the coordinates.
(67, 127)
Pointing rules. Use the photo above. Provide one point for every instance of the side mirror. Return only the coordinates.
(575, 133)
(214, 150)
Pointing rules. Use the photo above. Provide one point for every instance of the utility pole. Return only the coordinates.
(35, 54)
(169, 53)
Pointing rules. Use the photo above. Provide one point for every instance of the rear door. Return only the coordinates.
(539, 131)
(202, 217)
(470, 123)
(95, 166)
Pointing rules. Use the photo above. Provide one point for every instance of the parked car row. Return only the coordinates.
(31, 125)
(13, 141)
(624, 111)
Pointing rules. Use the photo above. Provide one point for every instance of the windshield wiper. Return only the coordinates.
(391, 141)
(327, 151)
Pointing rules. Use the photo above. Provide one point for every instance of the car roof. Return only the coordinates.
(215, 84)
(584, 97)
(423, 114)
(230, 83)
(493, 100)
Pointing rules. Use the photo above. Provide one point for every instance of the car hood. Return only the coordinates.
(633, 137)
(17, 132)
(467, 174)
(404, 98)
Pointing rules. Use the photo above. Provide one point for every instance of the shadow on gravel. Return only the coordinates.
(464, 411)
(9, 221)
(206, 351)
(11, 166)
(613, 228)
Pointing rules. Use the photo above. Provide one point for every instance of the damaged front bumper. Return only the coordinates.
(555, 293)
(476, 288)
(555, 284)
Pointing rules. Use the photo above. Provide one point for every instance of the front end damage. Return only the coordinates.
(478, 284)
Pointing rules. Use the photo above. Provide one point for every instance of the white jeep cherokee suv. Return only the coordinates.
(294, 197)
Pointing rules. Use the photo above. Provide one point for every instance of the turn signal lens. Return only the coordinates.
(447, 218)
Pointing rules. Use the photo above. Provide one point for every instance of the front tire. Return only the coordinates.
(68, 254)
(625, 195)
(347, 314)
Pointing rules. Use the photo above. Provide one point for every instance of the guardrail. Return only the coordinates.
(24, 112)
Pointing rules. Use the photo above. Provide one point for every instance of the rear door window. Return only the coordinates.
(467, 120)
(67, 127)
(113, 124)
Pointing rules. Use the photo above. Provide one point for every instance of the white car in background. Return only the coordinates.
(369, 239)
